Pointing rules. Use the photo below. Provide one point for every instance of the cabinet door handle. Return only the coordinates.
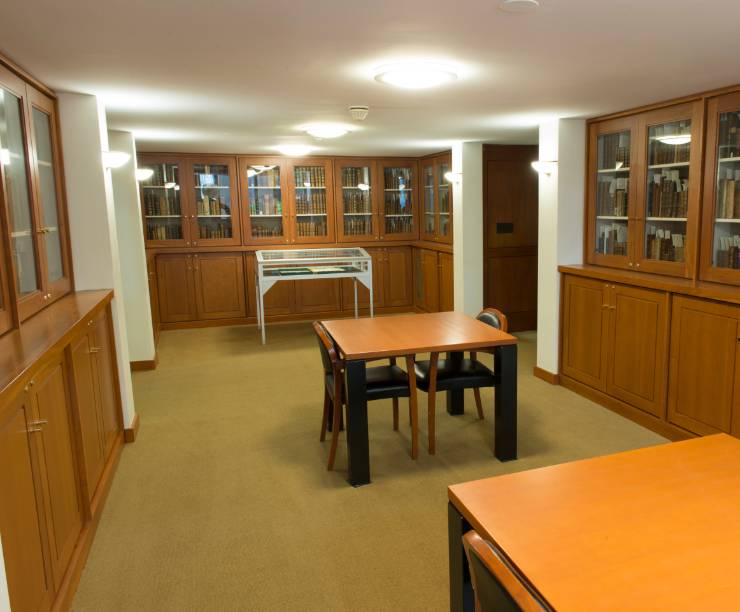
(39, 423)
(33, 429)
(94, 349)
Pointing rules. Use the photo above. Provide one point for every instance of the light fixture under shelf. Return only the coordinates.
(114, 159)
(144, 174)
(453, 177)
(675, 139)
(546, 167)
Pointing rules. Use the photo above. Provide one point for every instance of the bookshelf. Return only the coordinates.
(356, 194)
(429, 212)
(398, 200)
(214, 208)
(437, 193)
(311, 200)
(161, 203)
(262, 195)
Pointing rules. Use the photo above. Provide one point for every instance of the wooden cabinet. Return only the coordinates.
(320, 295)
(398, 202)
(151, 270)
(392, 280)
(311, 200)
(357, 189)
(176, 288)
(446, 282)
(265, 211)
(704, 383)
(436, 193)
(363, 295)
(426, 280)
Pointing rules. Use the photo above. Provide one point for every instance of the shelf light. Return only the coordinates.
(144, 174)
(295, 150)
(170, 185)
(259, 168)
(363, 186)
(114, 159)
(675, 139)
(415, 75)
(453, 177)
(545, 167)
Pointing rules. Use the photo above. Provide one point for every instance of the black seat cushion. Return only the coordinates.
(470, 374)
(382, 382)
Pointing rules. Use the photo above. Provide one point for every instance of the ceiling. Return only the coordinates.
(241, 76)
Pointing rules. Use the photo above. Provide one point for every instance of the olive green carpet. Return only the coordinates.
(224, 501)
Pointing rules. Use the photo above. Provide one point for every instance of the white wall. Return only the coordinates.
(92, 218)
(561, 210)
(4, 598)
(467, 226)
(131, 250)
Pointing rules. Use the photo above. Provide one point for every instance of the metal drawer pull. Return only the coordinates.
(39, 423)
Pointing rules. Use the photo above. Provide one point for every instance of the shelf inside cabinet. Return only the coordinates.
(670, 219)
(612, 170)
(670, 165)
(612, 218)
(720, 220)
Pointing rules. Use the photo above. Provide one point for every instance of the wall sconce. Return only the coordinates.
(453, 177)
(545, 167)
(114, 159)
(144, 174)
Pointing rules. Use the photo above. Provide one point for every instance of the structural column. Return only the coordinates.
(561, 213)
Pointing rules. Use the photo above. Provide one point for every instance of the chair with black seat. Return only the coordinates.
(382, 382)
(446, 375)
(497, 585)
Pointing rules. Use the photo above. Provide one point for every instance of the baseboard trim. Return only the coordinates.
(146, 364)
(130, 433)
(546, 375)
(636, 415)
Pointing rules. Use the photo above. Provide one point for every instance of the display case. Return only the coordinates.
(720, 261)
(398, 202)
(437, 194)
(162, 202)
(214, 206)
(311, 200)
(356, 199)
(264, 210)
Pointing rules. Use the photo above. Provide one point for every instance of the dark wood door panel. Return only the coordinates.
(219, 285)
(512, 288)
(175, 287)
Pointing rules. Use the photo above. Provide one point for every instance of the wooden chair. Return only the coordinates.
(496, 583)
(441, 375)
(382, 382)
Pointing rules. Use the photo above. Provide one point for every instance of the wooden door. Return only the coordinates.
(104, 353)
(219, 285)
(398, 200)
(310, 188)
(426, 280)
(585, 331)
(176, 288)
(321, 295)
(21, 514)
(356, 188)
(443, 165)
(363, 295)
(397, 277)
(429, 209)
(165, 203)
(638, 347)
(703, 369)
(446, 282)
(86, 391)
(57, 458)
(212, 201)
(151, 268)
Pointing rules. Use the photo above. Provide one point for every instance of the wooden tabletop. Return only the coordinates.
(372, 337)
(657, 528)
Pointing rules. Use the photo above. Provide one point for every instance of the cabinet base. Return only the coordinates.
(130, 433)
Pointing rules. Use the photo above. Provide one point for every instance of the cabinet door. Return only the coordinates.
(214, 207)
(86, 391)
(6, 307)
(444, 200)
(429, 197)
(321, 295)
(279, 300)
(163, 203)
(311, 200)
(430, 279)
(219, 285)
(363, 295)
(58, 465)
(446, 282)
(704, 341)
(638, 347)
(263, 200)
(21, 515)
(397, 277)
(398, 200)
(151, 268)
(175, 285)
(585, 337)
(104, 351)
(356, 183)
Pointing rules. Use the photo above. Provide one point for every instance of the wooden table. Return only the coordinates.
(656, 528)
(365, 339)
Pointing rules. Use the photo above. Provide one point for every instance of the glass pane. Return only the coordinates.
(428, 178)
(398, 200)
(13, 159)
(265, 201)
(612, 193)
(162, 210)
(48, 194)
(444, 200)
(213, 200)
(669, 149)
(726, 245)
(310, 201)
(357, 201)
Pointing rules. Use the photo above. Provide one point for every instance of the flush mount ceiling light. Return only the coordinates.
(294, 150)
(415, 75)
(114, 159)
(519, 6)
(675, 139)
(545, 167)
(144, 174)
(325, 130)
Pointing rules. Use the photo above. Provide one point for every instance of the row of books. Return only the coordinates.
(612, 197)
(661, 153)
(158, 204)
(429, 224)
(268, 178)
(212, 206)
(311, 228)
(611, 239)
(397, 178)
(352, 177)
(310, 202)
(216, 230)
(163, 173)
(728, 195)
(315, 176)
(272, 230)
(728, 253)
(668, 195)
(211, 176)
(662, 245)
(397, 203)
(357, 202)
(614, 149)
(729, 132)
(164, 232)
(444, 199)
(358, 226)
(265, 203)
(398, 225)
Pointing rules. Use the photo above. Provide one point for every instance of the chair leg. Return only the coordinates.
(413, 409)
(325, 418)
(395, 414)
(478, 402)
(334, 435)
(432, 403)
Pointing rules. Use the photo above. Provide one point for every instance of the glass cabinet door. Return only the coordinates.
(215, 206)
(429, 227)
(354, 180)
(444, 190)
(263, 200)
(398, 201)
(161, 202)
(310, 189)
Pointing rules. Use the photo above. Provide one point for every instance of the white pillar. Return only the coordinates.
(4, 597)
(92, 220)
(131, 251)
(467, 226)
(561, 210)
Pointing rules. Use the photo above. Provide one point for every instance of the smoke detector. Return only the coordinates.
(519, 6)
(359, 113)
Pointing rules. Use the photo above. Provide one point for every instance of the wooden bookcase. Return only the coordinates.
(263, 189)
(436, 197)
(399, 199)
(310, 200)
(357, 187)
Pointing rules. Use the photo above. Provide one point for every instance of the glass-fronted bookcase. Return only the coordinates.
(355, 184)
(436, 215)
(397, 204)
(311, 200)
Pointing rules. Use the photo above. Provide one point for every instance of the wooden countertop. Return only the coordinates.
(46, 331)
(656, 528)
(685, 286)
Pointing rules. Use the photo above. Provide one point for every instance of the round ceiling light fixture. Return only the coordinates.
(326, 130)
(519, 6)
(294, 150)
(415, 75)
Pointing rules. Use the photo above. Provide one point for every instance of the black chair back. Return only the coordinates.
(494, 318)
(326, 347)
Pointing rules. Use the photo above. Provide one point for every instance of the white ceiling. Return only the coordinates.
(241, 75)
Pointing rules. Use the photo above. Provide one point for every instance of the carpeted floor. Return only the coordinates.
(224, 501)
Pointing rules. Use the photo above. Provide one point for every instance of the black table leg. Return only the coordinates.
(504, 364)
(456, 399)
(358, 451)
(461, 589)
